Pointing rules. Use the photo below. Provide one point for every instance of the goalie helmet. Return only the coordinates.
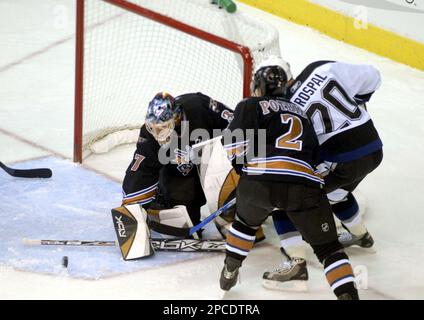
(162, 117)
(271, 77)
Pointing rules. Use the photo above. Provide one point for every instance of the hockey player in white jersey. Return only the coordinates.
(333, 94)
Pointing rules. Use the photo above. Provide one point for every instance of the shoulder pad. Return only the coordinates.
(145, 136)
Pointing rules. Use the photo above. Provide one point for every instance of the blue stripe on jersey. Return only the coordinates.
(137, 193)
(232, 145)
(353, 155)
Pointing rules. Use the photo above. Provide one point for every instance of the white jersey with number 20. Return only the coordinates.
(327, 94)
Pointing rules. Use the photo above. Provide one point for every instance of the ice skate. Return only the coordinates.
(229, 274)
(348, 239)
(292, 275)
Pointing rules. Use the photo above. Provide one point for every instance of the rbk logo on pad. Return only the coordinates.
(121, 227)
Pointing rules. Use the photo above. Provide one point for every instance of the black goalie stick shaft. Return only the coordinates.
(27, 173)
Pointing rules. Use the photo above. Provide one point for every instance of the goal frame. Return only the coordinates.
(243, 51)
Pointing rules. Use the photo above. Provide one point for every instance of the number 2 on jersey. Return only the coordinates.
(289, 139)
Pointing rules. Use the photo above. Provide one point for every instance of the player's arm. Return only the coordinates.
(142, 175)
(221, 114)
(359, 80)
(140, 188)
(236, 138)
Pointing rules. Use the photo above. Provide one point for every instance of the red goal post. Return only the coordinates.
(113, 37)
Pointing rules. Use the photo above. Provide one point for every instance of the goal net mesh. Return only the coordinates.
(128, 58)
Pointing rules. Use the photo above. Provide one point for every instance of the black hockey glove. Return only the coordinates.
(361, 99)
(237, 167)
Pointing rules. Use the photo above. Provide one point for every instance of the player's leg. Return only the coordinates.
(224, 221)
(312, 216)
(346, 209)
(292, 273)
(252, 211)
(292, 244)
(347, 176)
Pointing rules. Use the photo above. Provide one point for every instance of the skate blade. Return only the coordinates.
(289, 286)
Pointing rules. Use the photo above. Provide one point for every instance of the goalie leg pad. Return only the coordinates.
(176, 217)
(132, 231)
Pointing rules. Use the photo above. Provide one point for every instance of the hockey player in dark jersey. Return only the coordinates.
(162, 175)
(273, 145)
(333, 95)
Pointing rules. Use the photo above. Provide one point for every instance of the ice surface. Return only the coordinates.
(73, 205)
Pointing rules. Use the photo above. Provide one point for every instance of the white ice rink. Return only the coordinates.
(36, 120)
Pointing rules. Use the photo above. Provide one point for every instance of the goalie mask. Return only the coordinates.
(163, 114)
(271, 77)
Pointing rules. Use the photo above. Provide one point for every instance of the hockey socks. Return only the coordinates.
(290, 239)
(339, 274)
(347, 211)
(240, 240)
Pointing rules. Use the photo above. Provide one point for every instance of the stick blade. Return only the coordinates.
(28, 173)
(30, 242)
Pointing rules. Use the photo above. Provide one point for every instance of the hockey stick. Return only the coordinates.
(80, 243)
(186, 232)
(179, 245)
(188, 245)
(27, 173)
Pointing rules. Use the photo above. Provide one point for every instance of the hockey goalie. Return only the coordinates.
(162, 182)
(218, 181)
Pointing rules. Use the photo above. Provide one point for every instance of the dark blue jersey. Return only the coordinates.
(273, 139)
(199, 112)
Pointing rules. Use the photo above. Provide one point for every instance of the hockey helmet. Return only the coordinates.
(271, 77)
(162, 115)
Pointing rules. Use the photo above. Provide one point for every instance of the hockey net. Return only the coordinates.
(127, 51)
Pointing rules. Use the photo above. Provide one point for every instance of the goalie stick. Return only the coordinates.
(186, 232)
(159, 244)
(27, 173)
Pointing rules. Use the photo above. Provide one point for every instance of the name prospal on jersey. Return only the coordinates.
(325, 91)
(313, 85)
